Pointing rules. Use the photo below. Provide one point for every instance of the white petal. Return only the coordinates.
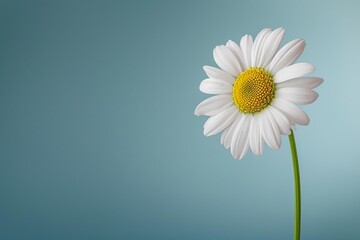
(287, 55)
(243, 148)
(216, 73)
(297, 95)
(239, 141)
(214, 105)
(215, 86)
(219, 122)
(246, 45)
(226, 60)
(228, 133)
(305, 82)
(282, 121)
(255, 139)
(271, 46)
(235, 48)
(293, 112)
(224, 135)
(270, 130)
(257, 48)
(293, 71)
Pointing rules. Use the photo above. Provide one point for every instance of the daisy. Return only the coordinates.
(257, 89)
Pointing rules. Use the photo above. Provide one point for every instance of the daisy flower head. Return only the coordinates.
(257, 89)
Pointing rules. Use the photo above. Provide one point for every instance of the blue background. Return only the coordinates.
(98, 139)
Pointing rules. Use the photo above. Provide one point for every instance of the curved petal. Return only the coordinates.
(270, 46)
(246, 45)
(239, 141)
(219, 122)
(216, 73)
(270, 130)
(228, 133)
(258, 45)
(297, 95)
(255, 138)
(305, 82)
(282, 121)
(287, 55)
(214, 105)
(215, 86)
(226, 60)
(243, 148)
(235, 48)
(293, 112)
(293, 71)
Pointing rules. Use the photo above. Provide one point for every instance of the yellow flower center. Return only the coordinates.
(253, 90)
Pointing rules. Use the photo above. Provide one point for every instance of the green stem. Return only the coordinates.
(297, 220)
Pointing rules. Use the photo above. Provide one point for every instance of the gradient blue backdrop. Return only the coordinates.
(98, 139)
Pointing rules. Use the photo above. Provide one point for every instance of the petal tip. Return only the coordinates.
(207, 132)
(196, 112)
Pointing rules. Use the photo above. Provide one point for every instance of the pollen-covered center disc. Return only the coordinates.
(253, 90)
